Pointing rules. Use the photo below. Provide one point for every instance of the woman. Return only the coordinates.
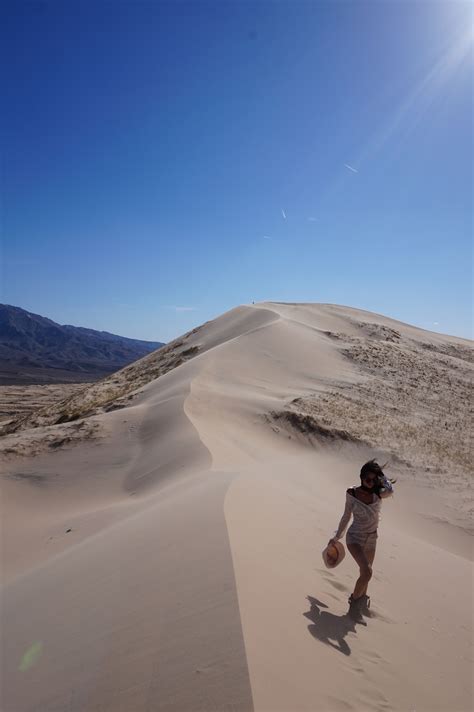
(364, 503)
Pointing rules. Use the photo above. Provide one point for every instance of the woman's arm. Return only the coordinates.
(387, 488)
(344, 520)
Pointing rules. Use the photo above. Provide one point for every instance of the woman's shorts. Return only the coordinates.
(368, 542)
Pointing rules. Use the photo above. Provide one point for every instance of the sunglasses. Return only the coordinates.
(370, 479)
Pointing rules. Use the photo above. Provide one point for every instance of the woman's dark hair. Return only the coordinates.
(374, 468)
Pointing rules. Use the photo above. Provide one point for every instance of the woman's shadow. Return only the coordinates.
(331, 629)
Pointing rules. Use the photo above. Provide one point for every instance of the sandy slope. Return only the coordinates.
(192, 577)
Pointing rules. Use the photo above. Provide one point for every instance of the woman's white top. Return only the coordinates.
(366, 516)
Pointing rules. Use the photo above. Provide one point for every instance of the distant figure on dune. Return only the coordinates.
(364, 503)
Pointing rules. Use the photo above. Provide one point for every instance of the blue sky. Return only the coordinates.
(165, 162)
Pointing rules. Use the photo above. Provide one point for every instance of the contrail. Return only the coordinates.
(283, 213)
(350, 168)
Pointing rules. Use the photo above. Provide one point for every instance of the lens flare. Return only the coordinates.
(31, 656)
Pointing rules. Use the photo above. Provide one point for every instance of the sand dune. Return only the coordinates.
(162, 550)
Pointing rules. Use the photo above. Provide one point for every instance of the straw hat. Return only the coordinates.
(334, 554)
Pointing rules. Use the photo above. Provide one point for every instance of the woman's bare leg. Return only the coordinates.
(370, 556)
(365, 570)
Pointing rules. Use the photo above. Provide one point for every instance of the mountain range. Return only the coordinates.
(35, 349)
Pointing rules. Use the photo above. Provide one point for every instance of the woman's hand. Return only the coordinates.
(332, 542)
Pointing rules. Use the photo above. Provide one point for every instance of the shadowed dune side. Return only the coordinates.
(141, 616)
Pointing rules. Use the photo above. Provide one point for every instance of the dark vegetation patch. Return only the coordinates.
(308, 425)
